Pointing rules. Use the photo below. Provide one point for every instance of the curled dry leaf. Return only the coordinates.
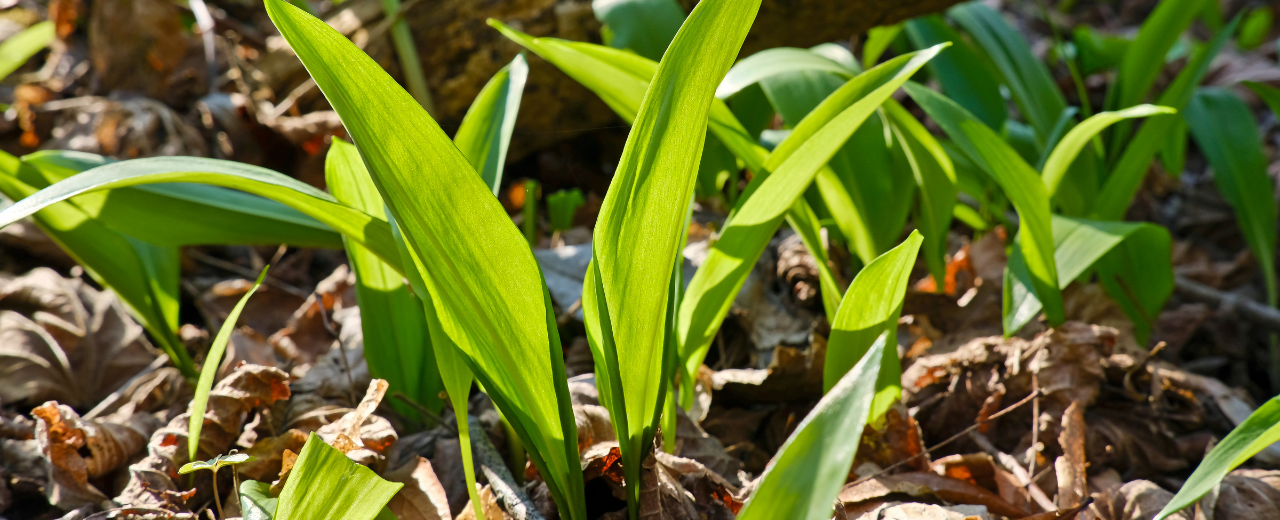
(267, 455)
(981, 470)
(360, 428)
(489, 503)
(65, 341)
(593, 426)
(917, 511)
(1070, 466)
(422, 497)
(63, 438)
(152, 480)
(304, 332)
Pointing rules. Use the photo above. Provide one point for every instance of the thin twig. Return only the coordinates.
(423, 410)
(1011, 464)
(243, 271)
(1035, 429)
(342, 347)
(966, 431)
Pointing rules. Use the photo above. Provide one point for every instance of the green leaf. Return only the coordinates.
(370, 231)
(1227, 134)
(190, 214)
(396, 343)
(485, 132)
(1259, 430)
(1255, 27)
(935, 177)
(802, 481)
(644, 26)
(488, 294)
(641, 225)
(1126, 176)
(1059, 161)
(1098, 52)
(1029, 81)
(210, 370)
(215, 463)
(775, 62)
(561, 206)
(801, 155)
(113, 259)
(964, 76)
(878, 40)
(1145, 58)
(1020, 183)
(256, 502)
(17, 49)
(1132, 261)
(325, 485)
(869, 310)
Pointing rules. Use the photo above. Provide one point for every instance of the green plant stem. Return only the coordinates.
(530, 224)
(217, 500)
(515, 451)
(410, 64)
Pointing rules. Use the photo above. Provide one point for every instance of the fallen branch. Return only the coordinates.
(1244, 307)
(516, 501)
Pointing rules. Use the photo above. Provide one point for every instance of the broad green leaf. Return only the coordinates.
(482, 278)
(17, 49)
(325, 485)
(773, 62)
(803, 153)
(1227, 134)
(190, 214)
(112, 259)
(1126, 176)
(1020, 183)
(1260, 430)
(450, 364)
(964, 76)
(1269, 94)
(644, 26)
(869, 310)
(935, 178)
(1145, 58)
(1056, 167)
(640, 229)
(370, 231)
(486, 130)
(878, 40)
(803, 479)
(210, 370)
(256, 502)
(396, 343)
(1133, 262)
(1029, 81)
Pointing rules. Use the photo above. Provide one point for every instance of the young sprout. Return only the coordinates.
(215, 464)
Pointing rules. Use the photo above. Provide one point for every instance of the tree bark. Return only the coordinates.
(460, 52)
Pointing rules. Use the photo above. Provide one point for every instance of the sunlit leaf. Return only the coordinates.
(210, 370)
(325, 485)
(18, 48)
(485, 132)
(483, 280)
(803, 479)
(964, 76)
(643, 26)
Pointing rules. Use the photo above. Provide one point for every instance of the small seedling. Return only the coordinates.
(215, 464)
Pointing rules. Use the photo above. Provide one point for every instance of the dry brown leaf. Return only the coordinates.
(489, 503)
(304, 331)
(268, 455)
(918, 484)
(916, 511)
(693, 443)
(1070, 466)
(360, 426)
(64, 437)
(151, 480)
(1136, 500)
(422, 497)
(981, 470)
(71, 343)
(594, 426)
(661, 496)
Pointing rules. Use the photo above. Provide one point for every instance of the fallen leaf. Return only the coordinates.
(1070, 466)
(63, 438)
(422, 497)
